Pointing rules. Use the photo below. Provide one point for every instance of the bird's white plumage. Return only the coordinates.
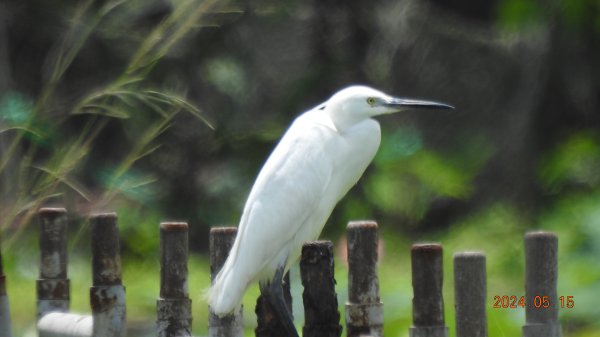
(320, 157)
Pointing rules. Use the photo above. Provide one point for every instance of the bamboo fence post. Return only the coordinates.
(53, 283)
(174, 307)
(321, 315)
(428, 302)
(107, 294)
(221, 241)
(470, 292)
(541, 276)
(364, 310)
(268, 324)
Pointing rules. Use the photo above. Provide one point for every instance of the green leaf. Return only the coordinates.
(574, 161)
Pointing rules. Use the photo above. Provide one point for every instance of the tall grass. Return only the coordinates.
(41, 161)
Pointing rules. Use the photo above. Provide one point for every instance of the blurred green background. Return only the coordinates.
(166, 110)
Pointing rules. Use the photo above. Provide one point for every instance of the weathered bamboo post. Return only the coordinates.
(364, 310)
(221, 240)
(268, 325)
(541, 276)
(5, 327)
(107, 294)
(321, 315)
(470, 291)
(174, 307)
(53, 284)
(428, 302)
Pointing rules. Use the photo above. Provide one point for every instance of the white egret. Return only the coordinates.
(320, 157)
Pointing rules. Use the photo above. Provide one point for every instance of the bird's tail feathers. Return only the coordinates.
(225, 295)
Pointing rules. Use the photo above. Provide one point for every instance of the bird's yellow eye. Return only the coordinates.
(371, 100)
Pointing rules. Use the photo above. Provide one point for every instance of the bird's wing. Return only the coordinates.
(289, 187)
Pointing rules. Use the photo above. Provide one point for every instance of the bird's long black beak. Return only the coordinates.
(407, 103)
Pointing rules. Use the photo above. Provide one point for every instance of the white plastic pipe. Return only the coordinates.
(59, 324)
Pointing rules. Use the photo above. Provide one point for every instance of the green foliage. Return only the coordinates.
(576, 220)
(15, 108)
(570, 172)
(132, 184)
(226, 75)
(139, 228)
(407, 178)
(519, 14)
(575, 161)
(582, 14)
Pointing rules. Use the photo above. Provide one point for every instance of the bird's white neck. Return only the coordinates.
(343, 122)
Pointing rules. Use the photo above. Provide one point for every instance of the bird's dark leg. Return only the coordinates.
(273, 292)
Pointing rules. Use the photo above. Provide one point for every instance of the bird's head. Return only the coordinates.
(355, 103)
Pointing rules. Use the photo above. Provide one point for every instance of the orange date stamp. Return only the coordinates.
(539, 302)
